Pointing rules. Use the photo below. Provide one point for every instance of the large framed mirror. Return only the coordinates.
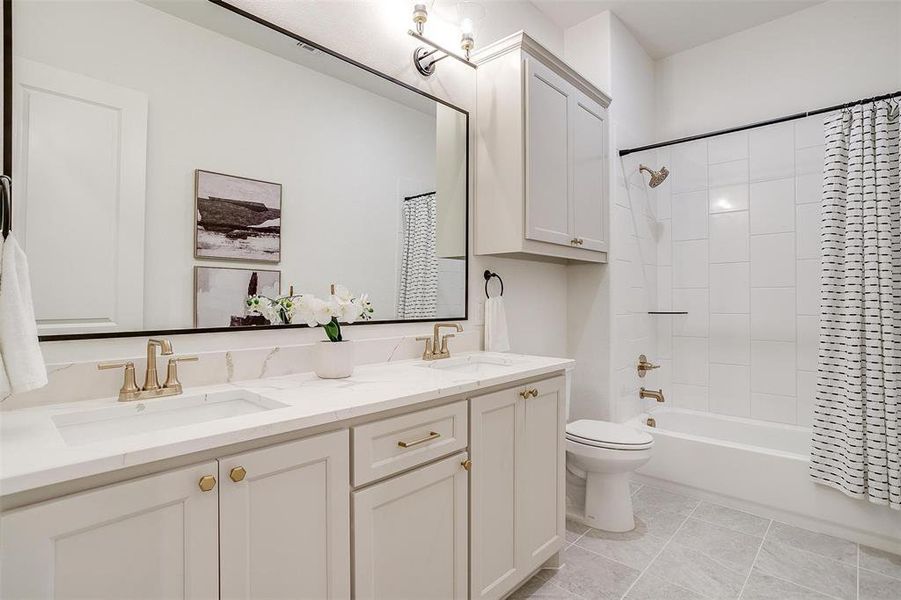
(171, 160)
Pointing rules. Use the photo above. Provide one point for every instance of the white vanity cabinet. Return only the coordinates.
(518, 478)
(284, 525)
(153, 537)
(542, 161)
(280, 531)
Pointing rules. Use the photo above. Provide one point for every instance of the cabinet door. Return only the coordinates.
(284, 527)
(410, 535)
(589, 192)
(495, 441)
(153, 537)
(540, 474)
(548, 216)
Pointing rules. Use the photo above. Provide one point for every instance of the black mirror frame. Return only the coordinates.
(7, 169)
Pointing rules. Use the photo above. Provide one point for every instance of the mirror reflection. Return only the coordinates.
(209, 159)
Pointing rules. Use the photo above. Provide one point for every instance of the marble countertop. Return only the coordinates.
(34, 454)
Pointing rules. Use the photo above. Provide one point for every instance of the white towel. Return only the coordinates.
(496, 337)
(20, 353)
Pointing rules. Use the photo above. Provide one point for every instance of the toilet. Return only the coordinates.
(605, 454)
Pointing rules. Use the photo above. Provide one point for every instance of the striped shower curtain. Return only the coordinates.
(855, 444)
(417, 296)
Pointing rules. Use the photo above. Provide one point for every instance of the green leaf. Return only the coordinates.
(333, 330)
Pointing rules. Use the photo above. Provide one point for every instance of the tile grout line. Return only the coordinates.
(803, 587)
(662, 548)
(756, 556)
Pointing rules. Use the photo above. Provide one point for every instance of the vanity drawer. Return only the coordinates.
(392, 445)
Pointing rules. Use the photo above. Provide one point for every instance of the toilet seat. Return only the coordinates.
(612, 436)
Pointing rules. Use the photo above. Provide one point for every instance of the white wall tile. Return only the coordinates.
(730, 339)
(694, 324)
(773, 314)
(809, 287)
(693, 397)
(729, 241)
(730, 173)
(730, 390)
(664, 288)
(729, 285)
(809, 131)
(690, 360)
(723, 148)
(664, 339)
(808, 342)
(664, 205)
(809, 188)
(810, 160)
(689, 172)
(773, 368)
(807, 227)
(772, 407)
(773, 206)
(690, 216)
(807, 385)
(690, 264)
(665, 242)
(728, 197)
(772, 152)
(773, 260)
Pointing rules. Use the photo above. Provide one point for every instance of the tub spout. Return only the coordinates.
(658, 395)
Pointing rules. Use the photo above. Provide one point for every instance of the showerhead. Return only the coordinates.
(657, 177)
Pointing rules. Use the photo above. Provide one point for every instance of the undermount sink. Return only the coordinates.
(472, 365)
(132, 418)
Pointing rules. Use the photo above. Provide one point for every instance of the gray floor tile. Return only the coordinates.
(874, 586)
(634, 487)
(766, 587)
(662, 512)
(696, 571)
(732, 548)
(636, 548)
(807, 569)
(649, 587)
(818, 543)
(731, 518)
(591, 576)
(574, 529)
(880, 561)
(539, 586)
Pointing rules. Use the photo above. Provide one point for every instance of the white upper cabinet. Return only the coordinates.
(542, 156)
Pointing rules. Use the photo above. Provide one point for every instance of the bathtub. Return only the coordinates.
(759, 467)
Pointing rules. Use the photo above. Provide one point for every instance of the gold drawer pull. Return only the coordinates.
(466, 464)
(237, 474)
(433, 435)
(526, 393)
(206, 483)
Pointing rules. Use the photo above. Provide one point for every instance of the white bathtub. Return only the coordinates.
(760, 467)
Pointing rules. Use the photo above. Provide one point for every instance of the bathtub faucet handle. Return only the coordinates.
(644, 366)
(656, 395)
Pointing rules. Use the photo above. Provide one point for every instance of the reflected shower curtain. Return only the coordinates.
(417, 296)
(855, 444)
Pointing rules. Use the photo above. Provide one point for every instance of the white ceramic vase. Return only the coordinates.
(334, 360)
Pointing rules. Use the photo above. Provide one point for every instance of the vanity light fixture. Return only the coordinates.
(424, 59)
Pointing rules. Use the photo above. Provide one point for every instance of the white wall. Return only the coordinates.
(374, 33)
(609, 325)
(824, 55)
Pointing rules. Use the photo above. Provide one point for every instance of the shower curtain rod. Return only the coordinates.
(809, 113)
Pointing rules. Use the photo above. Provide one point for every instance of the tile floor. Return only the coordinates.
(685, 549)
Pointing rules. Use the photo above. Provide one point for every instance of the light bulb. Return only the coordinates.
(466, 26)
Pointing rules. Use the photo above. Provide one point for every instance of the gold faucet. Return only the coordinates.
(658, 395)
(151, 389)
(644, 366)
(436, 345)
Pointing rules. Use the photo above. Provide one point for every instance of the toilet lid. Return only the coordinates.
(606, 434)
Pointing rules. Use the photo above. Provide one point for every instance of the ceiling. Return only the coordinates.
(666, 27)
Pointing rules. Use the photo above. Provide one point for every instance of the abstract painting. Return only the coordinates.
(237, 218)
(220, 292)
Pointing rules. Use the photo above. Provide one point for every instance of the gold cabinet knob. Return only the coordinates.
(206, 483)
(237, 474)
(525, 394)
(534, 392)
(466, 464)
